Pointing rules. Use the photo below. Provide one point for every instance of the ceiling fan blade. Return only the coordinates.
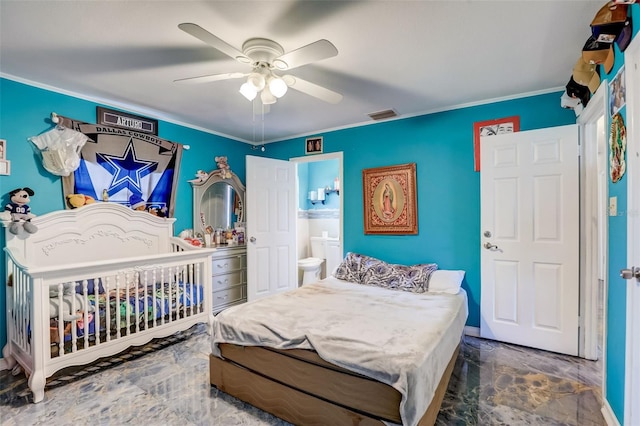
(200, 33)
(210, 78)
(312, 89)
(316, 51)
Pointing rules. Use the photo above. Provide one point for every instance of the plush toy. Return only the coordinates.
(201, 176)
(223, 166)
(162, 212)
(137, 203)
(78, 200)
(19, 212)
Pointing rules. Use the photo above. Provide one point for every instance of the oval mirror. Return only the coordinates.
(218, 203)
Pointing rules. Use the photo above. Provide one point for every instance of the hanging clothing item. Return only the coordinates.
(60, 148)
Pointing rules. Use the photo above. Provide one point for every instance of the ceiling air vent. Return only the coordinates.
(381, 115)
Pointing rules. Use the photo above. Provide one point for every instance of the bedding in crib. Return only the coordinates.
(125, 308)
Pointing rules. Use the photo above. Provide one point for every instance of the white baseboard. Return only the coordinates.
(608, 415)
(472, 331)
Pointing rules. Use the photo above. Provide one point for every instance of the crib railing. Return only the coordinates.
(130, 301)
(101, 309)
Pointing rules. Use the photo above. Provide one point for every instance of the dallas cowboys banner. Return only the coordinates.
(125, 166)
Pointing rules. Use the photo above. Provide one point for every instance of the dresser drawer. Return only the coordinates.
(223, 297)
(227, 264)
(228, 280)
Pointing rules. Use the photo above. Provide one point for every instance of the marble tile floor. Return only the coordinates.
(166, 383)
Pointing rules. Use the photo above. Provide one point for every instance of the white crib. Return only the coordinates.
(94, 281)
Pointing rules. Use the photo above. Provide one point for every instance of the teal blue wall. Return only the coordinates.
(448, 190)
(617, 289)
(25, 111)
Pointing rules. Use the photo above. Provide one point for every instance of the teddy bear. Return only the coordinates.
(223, 166)
(78, 200)
(19, 212)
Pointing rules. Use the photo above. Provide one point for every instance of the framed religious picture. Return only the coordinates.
(489, 128)
(390, 204)
(313, 145)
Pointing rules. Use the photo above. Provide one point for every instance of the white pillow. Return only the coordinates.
(444, 281)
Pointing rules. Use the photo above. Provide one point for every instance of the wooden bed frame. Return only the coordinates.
(298, 386)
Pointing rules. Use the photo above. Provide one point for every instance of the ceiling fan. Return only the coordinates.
(267, 58)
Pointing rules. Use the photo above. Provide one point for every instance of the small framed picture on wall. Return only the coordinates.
(313, 145)
(3, 149)
(489, 128)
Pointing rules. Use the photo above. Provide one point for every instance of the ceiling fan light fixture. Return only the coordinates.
(277, 87)
(267, 97)
(248, 91)
(256, 80)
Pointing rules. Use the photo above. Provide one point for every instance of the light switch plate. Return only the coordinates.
(613, 206)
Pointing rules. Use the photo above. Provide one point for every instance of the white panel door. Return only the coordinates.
(530, 238)
(632, 368)
(271, 227)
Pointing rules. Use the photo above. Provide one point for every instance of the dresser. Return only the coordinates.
(229, 270)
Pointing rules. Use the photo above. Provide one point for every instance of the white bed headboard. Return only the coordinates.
(100, 231)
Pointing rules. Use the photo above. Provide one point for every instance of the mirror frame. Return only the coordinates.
(200, 188)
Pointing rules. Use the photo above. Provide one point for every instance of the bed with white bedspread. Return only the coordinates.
(94, 281)
(399, 338)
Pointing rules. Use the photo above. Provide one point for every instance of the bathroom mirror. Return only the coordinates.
(217, 202)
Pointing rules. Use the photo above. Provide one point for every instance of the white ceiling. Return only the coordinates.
(412, 56)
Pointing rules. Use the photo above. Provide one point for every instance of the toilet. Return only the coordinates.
(311, 267)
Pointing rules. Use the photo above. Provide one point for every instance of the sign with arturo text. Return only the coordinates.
(124, 120)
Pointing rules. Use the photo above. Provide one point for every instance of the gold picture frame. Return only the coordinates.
(390, 203)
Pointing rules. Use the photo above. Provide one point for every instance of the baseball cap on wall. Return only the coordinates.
(574, 104)
(609, 21)
(578, 91)
(586, 75)
(600, 53)
(625, 35)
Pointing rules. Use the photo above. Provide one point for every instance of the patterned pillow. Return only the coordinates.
(350, 269)
(368, 270)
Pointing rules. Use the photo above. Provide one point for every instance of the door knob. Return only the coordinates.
(490, 246)
(630, 273)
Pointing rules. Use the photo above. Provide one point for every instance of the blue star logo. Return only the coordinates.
(127, 170)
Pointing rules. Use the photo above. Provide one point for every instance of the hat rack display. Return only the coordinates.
(611, 25)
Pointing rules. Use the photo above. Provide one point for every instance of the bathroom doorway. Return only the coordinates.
(320, 207)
